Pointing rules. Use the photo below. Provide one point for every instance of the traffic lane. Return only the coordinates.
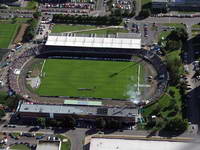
(189, 21)
(193, 103)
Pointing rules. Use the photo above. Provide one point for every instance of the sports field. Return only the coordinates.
(90, 78)
(7, 33)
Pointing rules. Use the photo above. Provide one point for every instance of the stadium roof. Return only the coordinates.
(96, 42)
(126, 144)
(79, 110)
(82, 102)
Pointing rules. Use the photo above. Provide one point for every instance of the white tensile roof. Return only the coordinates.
(124, 144)
(96, 42)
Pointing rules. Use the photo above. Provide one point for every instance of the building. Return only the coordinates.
(49, 145)
(128, 144)
(87, 112)
(190, 5)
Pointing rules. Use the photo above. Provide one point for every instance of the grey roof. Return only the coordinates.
(79, 110)
(160, 1)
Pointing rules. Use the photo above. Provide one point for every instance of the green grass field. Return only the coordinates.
(58, 28)
(106, 31)
(20, 147)
(68, 28)
(7, 33)
(176, 25)
(99, 79)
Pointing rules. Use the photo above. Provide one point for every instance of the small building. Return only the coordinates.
(49, 145)
(140, 144)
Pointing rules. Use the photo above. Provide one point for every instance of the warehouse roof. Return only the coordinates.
(125, 144)
(97, 42)
(79, 110)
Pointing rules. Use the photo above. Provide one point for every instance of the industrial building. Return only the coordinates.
(130, 144)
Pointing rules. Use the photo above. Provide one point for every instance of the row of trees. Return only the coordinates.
(176, 40)
(30, 30)
(123, 13)
(85, 19)
(102, 123)
(68, 122)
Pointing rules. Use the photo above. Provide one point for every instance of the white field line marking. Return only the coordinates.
(143, 85)
(138, 83)
(42, 67)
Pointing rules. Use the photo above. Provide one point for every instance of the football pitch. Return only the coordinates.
(90, 78)
(7, 33)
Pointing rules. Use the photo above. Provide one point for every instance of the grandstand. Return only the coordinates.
(92, 42)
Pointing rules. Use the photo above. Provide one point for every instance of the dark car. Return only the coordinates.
(39, 137)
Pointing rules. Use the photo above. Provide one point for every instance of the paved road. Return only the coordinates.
(138, 7)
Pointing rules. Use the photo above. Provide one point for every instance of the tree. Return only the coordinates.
(36, 14)
(2, 113)
(117, 12)
(145, 13)
(100, 123)
(174, 69)
(178, 34)
(14, 19)
(70, 122)
(41, 121)
(171, 93)
(176, 125)
(113, 124)
(172, 45)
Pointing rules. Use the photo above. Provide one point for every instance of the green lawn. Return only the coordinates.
(196, 26)
(176, 25)
(68, 28)
(174, 54)
(164, 103)
(58, 28)
(64, 145)
(107, 31)
(88, 78)
(15, 134)
(20, 147)
(7, 34)
(146, 1)
(163, 35)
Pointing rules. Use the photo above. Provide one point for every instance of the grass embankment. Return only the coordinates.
(59, 28)
(19, 147)
(66, 144)
(69, 28)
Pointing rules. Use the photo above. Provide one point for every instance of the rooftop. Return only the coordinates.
(120, 40)
(124, 144)
(79, 110)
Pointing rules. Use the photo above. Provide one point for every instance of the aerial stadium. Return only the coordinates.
(86, 70)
